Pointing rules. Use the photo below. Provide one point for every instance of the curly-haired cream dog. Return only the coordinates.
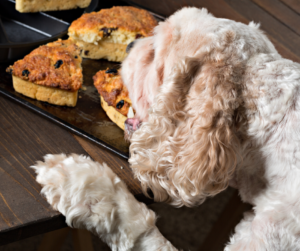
(216, 105)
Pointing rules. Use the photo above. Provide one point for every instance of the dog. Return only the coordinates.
(216, 106)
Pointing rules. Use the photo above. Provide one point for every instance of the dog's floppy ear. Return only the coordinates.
(188, 148)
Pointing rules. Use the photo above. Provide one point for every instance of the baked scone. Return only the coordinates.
(106, 34)
(114, 96)
(46, 5)
(50, 73)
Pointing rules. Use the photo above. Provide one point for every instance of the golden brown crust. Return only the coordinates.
(46, 5)
(56, 64)
(43, 93)
(113, 114)
(121, 17)
(110, 87)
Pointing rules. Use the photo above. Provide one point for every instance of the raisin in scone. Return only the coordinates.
(106, 34)
(114, 96)
(50, 73)
(49, 5)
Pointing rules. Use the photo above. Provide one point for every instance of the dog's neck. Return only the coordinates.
(272, 151)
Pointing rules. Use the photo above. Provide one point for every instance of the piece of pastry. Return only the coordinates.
(49, 5)
(106, 34)
(50, 73)
(114, 96)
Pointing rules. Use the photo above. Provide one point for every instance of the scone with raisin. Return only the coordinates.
(106, 34)
(114, 96)
(50, 73)
(46, 5)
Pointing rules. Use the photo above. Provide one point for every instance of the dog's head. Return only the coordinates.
(185, 83)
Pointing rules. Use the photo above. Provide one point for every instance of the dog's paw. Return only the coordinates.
(74, 181)
(92, 196)
(52, 175)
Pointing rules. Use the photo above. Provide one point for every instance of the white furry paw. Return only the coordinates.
(72, 184)
(92, 196)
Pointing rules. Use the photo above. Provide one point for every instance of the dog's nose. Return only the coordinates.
(129, 46)
(131, 125)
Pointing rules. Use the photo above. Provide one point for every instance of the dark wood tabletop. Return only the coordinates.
(26, 136)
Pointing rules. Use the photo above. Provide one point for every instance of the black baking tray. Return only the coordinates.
(87, 119)
(20, 33)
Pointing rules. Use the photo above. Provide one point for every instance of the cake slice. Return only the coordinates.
(114, 96)
(50, 73)
(106, 34)
(46, 5)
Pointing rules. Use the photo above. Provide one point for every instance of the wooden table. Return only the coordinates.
(26, 137)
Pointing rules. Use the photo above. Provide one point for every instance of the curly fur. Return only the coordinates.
(219, 107)
(189, 147)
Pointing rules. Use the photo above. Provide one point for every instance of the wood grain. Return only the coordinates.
(282, 13)
(26, 138)
(293, 4)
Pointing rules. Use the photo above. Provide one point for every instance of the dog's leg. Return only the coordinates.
(266, 231)
(93, 197)
(243, 239)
